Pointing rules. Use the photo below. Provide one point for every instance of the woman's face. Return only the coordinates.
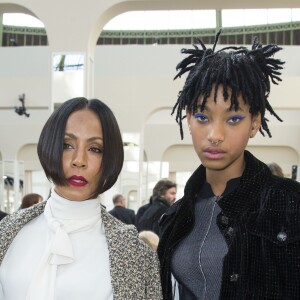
(82, 155)
(220, 134)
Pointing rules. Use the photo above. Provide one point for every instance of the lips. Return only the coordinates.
(214, 153)
(78, 181)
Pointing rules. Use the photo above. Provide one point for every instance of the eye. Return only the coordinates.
(201, 118)
(67, 146)
(235, 119)
(96, 150)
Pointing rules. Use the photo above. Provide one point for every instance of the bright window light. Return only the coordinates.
(250, 17)
(279, 15)
(163, 20)
(295, 14)
(232, 17)
(21, 20)
(255, 17)
(178, 19)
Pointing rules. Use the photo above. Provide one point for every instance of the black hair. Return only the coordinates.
(161, 187)
(245, 71)
(51, 141)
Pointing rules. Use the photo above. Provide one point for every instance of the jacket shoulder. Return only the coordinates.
(12, 224)
(283, 192)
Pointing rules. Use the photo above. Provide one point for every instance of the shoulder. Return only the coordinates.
(283, 191)
(129, 210)
(23, 216)
(116, 227)
(279, 212)
(12, 224)
(143, 207)
(112, 210)
(123, 236)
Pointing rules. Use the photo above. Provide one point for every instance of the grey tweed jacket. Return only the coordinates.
(134, 266)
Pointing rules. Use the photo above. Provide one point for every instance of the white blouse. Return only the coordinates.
(87, 277)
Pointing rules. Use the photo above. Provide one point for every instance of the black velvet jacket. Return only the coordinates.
(260, 221)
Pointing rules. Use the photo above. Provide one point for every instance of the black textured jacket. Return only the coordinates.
(260, 221)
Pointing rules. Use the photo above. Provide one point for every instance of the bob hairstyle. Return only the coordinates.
(50, 145)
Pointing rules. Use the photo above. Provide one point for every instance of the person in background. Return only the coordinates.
(141, 211)
(163, 196)
(70, 247)
(235, 232)
(120, 211)
(275, 169)
(30, 199)
(150, 238)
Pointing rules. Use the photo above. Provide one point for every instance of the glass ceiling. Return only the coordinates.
(179, 19)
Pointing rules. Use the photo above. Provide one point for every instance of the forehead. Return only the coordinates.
(84, 120)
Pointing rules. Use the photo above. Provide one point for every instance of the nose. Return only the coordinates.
(216, 133)
(79, 159)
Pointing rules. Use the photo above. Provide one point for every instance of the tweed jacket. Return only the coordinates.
(133, 265)
(260, 221)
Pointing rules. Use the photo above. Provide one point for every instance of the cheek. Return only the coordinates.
(198, 135)
(97, 167)
(64, 162)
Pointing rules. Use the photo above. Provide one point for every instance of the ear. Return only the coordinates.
(256, 123)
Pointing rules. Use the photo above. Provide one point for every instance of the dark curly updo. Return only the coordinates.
(244, 71)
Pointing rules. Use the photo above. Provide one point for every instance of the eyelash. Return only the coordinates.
(201, 118)
(237, 118)
(232, 120)
(67, 146)
(96, 150)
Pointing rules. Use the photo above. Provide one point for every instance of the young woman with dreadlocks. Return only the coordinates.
(235, 234)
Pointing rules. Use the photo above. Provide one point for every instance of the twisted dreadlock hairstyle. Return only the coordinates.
(244, 71)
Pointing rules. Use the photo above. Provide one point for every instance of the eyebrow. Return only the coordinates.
(227, 110)
(73, 136)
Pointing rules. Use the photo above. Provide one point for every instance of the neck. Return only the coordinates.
(218, 178)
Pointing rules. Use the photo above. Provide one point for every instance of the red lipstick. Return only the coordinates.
(77, 181)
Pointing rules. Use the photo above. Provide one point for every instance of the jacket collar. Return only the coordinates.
(256, 173)
(245, 196)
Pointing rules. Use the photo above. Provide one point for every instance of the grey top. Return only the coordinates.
(197, 261)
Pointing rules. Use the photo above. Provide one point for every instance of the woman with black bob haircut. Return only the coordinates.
(235, 234)
(50, 146)
(70, 247)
